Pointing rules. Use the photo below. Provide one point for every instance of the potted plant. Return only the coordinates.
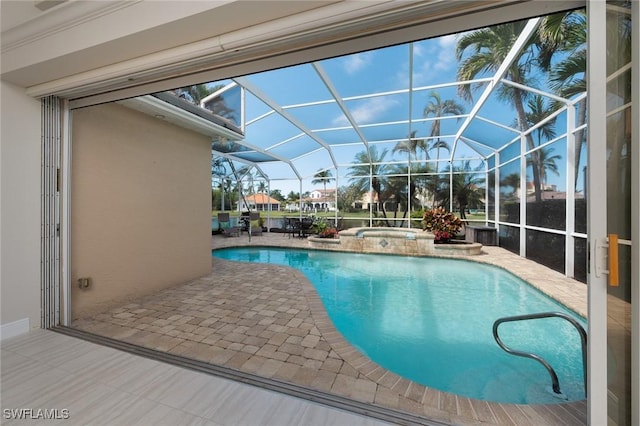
(444, 224)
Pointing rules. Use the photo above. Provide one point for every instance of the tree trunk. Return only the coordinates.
(522, 118)
(384, 214)
(463, 201)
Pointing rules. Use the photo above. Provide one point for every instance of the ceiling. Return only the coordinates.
(63, 38)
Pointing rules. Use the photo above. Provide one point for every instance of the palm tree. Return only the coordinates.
(466, 188)
(276, 194)
(401, 191)
(410, 146)
(467, 192)
(437, 108)
(568, 33)
(423, 182)
(512, 180)
(368, 171)
(489, 47)
(323, 177)
(547, 162)
(538, 111)
(292, 197)
(197, 92)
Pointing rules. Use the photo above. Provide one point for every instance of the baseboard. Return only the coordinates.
(14, 328)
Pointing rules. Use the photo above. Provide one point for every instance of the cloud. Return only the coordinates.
(448, 41)
(446, 54)
(367, 112)
(355, 63)
(434, 58)
(418, 49)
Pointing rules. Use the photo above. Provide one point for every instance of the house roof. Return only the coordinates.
(261, 199)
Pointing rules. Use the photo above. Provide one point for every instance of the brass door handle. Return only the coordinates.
(614, 273)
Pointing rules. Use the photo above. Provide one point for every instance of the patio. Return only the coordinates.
(268, 320)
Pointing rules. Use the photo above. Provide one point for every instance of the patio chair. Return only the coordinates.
(224, 224)
(293, 227)
(305, 227)
(254, 223)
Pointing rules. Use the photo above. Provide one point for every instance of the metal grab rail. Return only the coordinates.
(554, 378)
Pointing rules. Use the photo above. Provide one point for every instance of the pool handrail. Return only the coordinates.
(554, 377)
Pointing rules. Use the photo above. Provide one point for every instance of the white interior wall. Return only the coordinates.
(20, 211)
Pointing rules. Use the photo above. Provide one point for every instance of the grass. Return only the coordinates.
(364, 214)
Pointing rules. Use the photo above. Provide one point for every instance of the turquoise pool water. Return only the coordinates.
(430, 320)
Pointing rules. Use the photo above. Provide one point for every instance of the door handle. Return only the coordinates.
(606, 256)
(614, 272)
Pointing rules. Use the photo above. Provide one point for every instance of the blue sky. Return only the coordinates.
(374, 88)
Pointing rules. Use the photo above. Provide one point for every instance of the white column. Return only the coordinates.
(335, 205)
(486, 191)
(523, 195)
(496, 192)
(570, 205)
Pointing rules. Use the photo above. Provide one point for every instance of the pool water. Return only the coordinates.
(430, 320)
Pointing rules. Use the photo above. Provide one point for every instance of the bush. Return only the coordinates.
(329, 233)
(444, 225)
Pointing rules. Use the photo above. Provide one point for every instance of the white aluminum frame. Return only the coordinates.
(597, 210)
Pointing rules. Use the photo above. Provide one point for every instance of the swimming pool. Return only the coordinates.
(430, 320)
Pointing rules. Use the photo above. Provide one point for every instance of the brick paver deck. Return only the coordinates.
(269, 320)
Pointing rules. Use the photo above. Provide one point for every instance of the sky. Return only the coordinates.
(374, 88)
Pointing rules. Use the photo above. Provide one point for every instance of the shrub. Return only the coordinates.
(442, 223)
(329, 233)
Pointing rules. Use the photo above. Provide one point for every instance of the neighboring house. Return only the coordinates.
(366, 199)
(549, 192)
(371, 198)
(292, 207)
(261, 202)
(320, 199)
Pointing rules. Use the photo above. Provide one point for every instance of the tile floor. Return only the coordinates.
(97, 385)
(268, 320)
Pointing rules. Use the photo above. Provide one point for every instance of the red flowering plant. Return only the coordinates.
(444, 225)
(328, 233)
(322, 228)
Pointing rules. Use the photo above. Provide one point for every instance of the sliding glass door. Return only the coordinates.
(613, 208)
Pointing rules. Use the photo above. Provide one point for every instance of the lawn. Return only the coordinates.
(361, 214)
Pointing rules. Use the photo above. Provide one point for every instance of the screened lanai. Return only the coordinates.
(486, 130)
